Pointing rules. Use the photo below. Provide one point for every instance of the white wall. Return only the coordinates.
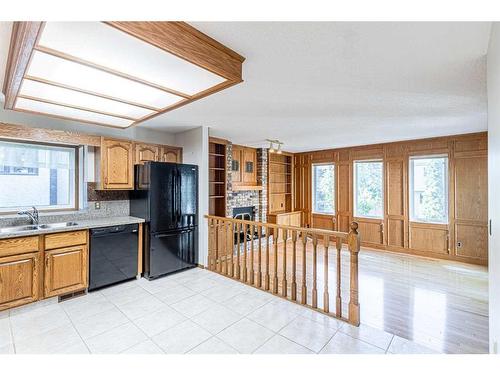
(493, 78)
(195, 151)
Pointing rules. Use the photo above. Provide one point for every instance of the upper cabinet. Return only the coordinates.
(146, 152)
(117, 158)
(170, 154)
(244, 168)
(117, 166)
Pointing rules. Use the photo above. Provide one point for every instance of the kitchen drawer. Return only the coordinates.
(18, 245)
(65, 239)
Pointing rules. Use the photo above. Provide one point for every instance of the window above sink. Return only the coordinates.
(41, 175)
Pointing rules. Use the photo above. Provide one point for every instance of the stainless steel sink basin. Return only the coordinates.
(26, 228)
(23, 228)
(57, 225)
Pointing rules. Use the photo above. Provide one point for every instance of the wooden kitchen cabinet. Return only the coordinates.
(65, 262)
(146, 152)
(117, 166)
(244, 166)
(65, 270)
(170, 154)
(19, 277)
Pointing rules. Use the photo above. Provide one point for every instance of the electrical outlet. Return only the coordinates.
(495, 347)
(97, 205)
(459, 244)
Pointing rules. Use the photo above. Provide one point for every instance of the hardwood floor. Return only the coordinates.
(440, 304)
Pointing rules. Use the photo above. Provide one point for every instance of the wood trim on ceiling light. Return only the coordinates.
(77, 60)
(177, 38)
(60, 117)
(48, 101)
(73, 88)
(23, 38)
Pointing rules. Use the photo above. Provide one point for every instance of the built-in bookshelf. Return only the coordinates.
(280, 188)
(217, 162)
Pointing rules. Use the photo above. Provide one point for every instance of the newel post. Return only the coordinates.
(354, 241)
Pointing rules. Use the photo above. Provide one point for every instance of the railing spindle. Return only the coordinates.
(245, 231)
(211, 244)
(304, 269)
(217, 252)
(224, 248)
(259, 257)
(267, 277)
(276, 233)
(338, 302)
(283, 280)
(294, 265)
(314, 288)
(252, 275)
(326, 296)
(238, 261)
(354, 246)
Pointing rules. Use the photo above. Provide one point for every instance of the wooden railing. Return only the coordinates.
(284, 260)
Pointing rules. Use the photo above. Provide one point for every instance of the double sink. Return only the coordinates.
(27, 228)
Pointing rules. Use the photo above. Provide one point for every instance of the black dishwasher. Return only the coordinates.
(113, 255)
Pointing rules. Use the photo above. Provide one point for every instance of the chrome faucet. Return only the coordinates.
(33, 215)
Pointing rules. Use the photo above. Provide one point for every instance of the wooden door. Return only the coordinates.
(117, 164)
(471, 196)
(236, 166)
(249, 167)
(170, 155)
(145, 152)
(65, 270)
(19, 278)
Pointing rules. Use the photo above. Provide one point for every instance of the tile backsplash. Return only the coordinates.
(110, 208)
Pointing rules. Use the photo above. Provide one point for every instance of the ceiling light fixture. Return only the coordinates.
(113, 73)
(275, 149)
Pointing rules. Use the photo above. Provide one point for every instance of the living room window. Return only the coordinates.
(429, 189)
(369, 189)
(324, 189)
(38, 175)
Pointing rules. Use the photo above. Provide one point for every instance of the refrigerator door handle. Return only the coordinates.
(179, 189)
(174, 197)
(171, 234)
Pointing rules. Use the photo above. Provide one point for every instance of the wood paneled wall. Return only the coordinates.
(464, 238)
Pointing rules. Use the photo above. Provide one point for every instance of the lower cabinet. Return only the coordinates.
(19, 275)
(65, 270)
(292, 219)
(37, 267)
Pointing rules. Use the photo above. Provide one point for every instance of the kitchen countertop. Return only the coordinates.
(81, 224)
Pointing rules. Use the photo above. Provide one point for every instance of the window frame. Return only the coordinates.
(411, 219)
(76, 178)
(354, 189)
(313, 189)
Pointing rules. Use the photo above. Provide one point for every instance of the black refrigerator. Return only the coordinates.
(166, 197)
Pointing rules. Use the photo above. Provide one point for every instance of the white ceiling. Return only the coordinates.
(319, 85)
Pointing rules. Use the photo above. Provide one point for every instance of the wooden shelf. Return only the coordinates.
(217, 181)
(247, 187)
(280, 180)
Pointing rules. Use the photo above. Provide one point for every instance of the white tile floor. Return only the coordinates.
(195, 311)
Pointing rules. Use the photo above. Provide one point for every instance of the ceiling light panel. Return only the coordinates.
(78, 99)
(108, 47)
(61, 111)
(73, 74)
